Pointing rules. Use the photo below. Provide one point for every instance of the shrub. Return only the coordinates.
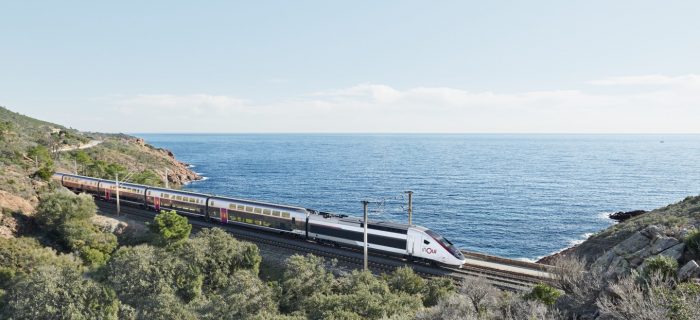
(66, 218)
(58, 293)
(436, 290)
(171, 227)
(692, 242)
(44, 173)
(662, 265)
(217, 255)
(544, 293)
(303, 276)
(403, 279)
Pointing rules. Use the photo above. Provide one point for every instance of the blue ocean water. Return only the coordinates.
(518, 196)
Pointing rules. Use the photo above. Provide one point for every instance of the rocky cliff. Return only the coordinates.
(671, 231)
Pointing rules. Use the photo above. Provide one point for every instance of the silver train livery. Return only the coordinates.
(411, 242)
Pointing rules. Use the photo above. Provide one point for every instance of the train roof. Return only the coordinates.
(180, 192)
(259, 203)
(378, 225)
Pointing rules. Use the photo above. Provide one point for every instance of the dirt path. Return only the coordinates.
(82, 146)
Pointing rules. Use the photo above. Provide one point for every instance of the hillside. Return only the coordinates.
(31, 149)
(670, 231)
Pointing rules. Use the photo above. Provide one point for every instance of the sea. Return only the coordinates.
(518, 196)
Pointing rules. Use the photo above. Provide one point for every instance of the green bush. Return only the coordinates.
(218, 255)
(66, 218)
(44, 173)
(662, 265)
(171, 227)
(58, 293)
(544, 293)
(692, 242)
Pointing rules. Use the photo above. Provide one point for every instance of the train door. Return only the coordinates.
(223, 215)
(410, 243)
(108, 194)
(156, 203)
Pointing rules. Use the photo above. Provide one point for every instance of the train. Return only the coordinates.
(408, 241)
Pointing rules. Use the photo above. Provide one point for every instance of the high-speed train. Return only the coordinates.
(413, 242)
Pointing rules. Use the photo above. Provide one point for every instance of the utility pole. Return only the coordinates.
(116, 176)
(166, 178)
(364, 204)
(410, 207)
(75, 166)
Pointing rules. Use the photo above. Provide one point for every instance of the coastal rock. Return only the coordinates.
(689, 270)
(674, 252)
(662, 243)
(633, 251)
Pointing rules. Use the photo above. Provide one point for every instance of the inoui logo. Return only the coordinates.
(429, 250)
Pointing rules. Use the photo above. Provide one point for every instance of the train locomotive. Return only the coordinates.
(412, 242)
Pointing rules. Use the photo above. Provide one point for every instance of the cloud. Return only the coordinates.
(171, 104)
(661, 104)
(649, 80)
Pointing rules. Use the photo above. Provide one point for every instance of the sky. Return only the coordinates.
(354, 66)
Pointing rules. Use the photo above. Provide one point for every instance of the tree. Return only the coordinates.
(147, 177)
(437, 289)
(41, 154)
(66, 218)
(218, 255)
(303, 276)
(83, 159)
(58, 207)
(141, 273)
(171, 227)
(361, 295)
(243, 297)
(403, 279)
(58, 293)
(22, 256)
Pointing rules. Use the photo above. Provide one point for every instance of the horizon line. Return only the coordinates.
(419, 133)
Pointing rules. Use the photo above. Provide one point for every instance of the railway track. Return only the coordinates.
(514, 277)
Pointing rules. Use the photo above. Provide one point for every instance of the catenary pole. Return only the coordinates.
(166, 178)
(116, 176)
(410, 207)
(364, 205)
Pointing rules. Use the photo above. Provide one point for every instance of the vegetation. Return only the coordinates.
(66, 218)
(660, 265)
(692, 242)
(544, 293)
(171, 227)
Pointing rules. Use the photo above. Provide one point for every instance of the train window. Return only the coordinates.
(232, 206)
(258, 210)
(179, 198)
(285, 215)
(241, 207)
(426, 241)
(149, 193)
(248, 209)
(266, 212)
(275, 213)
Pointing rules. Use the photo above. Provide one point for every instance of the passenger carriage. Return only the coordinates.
(413, 242)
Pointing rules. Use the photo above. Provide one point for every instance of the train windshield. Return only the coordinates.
(446, 244)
